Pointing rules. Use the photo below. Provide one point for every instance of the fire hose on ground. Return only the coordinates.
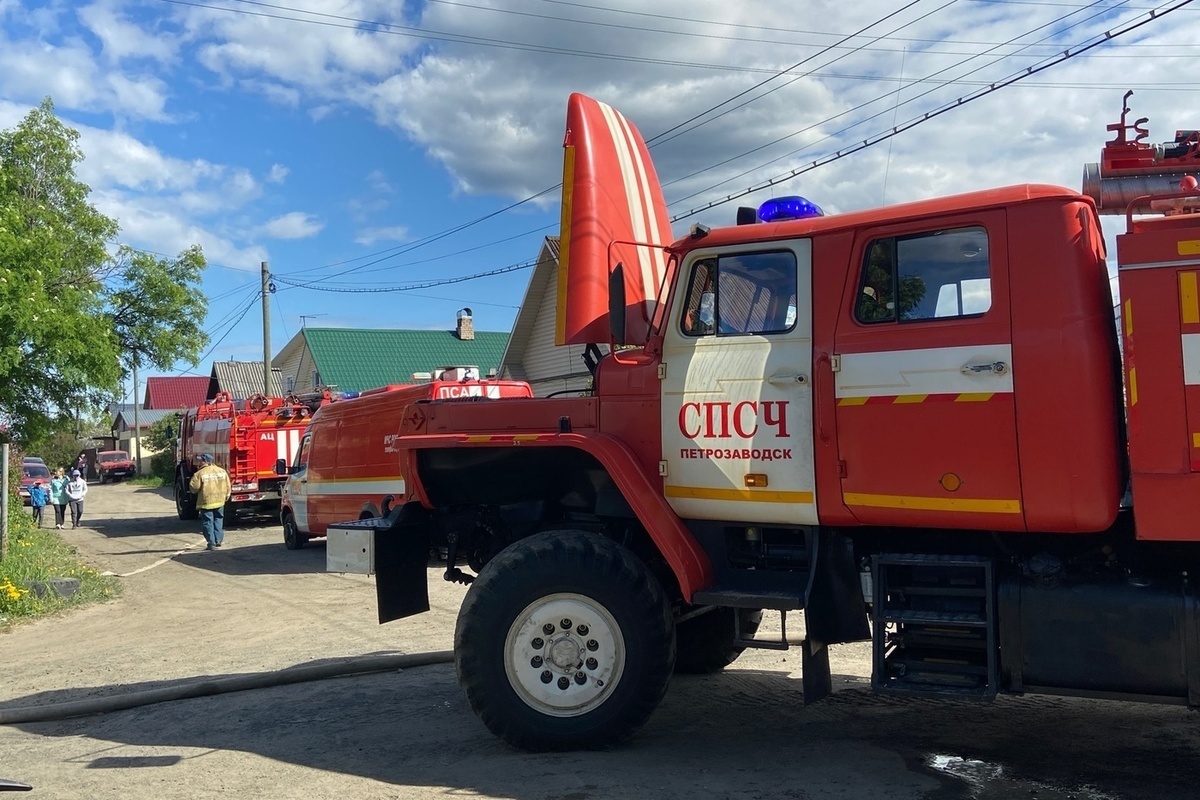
(235, 683)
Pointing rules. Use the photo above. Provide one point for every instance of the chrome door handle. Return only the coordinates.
(788, 380)
(994, 368)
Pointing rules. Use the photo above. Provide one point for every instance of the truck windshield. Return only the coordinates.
(106, 458)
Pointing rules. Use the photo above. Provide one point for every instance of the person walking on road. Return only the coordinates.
(39, 498)
(211, 486)
(76, 489)
(58, 497)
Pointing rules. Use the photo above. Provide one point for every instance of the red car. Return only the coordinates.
(31, 473)
(113, 464)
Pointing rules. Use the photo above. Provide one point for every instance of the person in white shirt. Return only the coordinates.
(76, 488)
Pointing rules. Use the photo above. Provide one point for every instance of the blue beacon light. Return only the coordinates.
(792, 207)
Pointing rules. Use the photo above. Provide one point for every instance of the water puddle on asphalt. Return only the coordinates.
(991, 781)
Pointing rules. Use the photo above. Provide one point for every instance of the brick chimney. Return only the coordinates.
(465, 326)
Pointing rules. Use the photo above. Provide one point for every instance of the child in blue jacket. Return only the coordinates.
(39, 498)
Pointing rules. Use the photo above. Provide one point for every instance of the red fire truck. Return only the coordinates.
(246, 437)
(347, 461)
(919, 425)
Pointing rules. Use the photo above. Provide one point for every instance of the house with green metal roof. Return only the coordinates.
(354, 359)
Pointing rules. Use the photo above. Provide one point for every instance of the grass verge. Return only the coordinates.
(152, 481)
(38, 555)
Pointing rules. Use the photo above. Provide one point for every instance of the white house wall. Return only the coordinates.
(548, 367)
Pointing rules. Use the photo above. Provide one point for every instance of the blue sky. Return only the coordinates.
(322, 135)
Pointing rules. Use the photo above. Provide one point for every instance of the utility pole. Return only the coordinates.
(137, 423)
(266, 304)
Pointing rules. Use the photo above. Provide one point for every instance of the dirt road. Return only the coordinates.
(255, 606)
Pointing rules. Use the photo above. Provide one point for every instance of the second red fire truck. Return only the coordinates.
(247, 438)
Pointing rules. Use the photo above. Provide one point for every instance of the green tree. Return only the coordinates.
(56, 349)
(74, 319)
(60, 448)
(163, 438)
(156, 307)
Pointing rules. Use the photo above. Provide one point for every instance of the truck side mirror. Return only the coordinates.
(616, 304)
(281, 467)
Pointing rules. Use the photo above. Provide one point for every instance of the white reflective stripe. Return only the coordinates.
(649, 257)
(373, 486)
(1191, 359)
(293, 444)
(636, 196)
(933, 371)
(280, 446)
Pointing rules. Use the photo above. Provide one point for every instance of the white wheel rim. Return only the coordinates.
(572, 640)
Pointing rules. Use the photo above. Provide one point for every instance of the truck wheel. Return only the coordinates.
(292, 538)
(101, 478)
(183, 508)
(564, 641)
(704, 644)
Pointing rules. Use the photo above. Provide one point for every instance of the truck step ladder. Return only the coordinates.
(934, 625)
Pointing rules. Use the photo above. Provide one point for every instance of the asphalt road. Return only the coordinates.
(254, 606)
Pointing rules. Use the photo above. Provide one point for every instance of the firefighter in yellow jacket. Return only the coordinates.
(210, 484)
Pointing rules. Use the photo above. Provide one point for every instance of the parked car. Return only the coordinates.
(113, 464)
(31, 473)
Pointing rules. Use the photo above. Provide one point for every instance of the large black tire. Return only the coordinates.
(520, 624)
(292, 538)
(704, 644)
(185, 504)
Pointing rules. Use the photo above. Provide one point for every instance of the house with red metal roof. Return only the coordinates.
(165, 393)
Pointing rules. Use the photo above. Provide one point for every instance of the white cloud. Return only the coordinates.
(293, 225)
(121, 39)
(161, 203)
(321, 59)
(277, 174)
(51, 51)
(148, 223)
(393, 233)
(379, 183)
(493, 116)
(32, 70)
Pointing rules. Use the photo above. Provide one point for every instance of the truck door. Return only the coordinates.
(737, 391)
(926, 421)
(296, 487)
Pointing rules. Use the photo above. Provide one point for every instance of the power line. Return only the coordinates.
(430, 239)
(406, 287)
(664, 135)
(229, 330)
(928, 115)
(408, 247)
(900, 88)
(658, 139)
(393, 29)
(392, 252)
(895, 92)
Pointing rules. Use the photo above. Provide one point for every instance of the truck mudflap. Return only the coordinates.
(401, 563)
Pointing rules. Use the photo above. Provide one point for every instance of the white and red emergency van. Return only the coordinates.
(348, 461)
